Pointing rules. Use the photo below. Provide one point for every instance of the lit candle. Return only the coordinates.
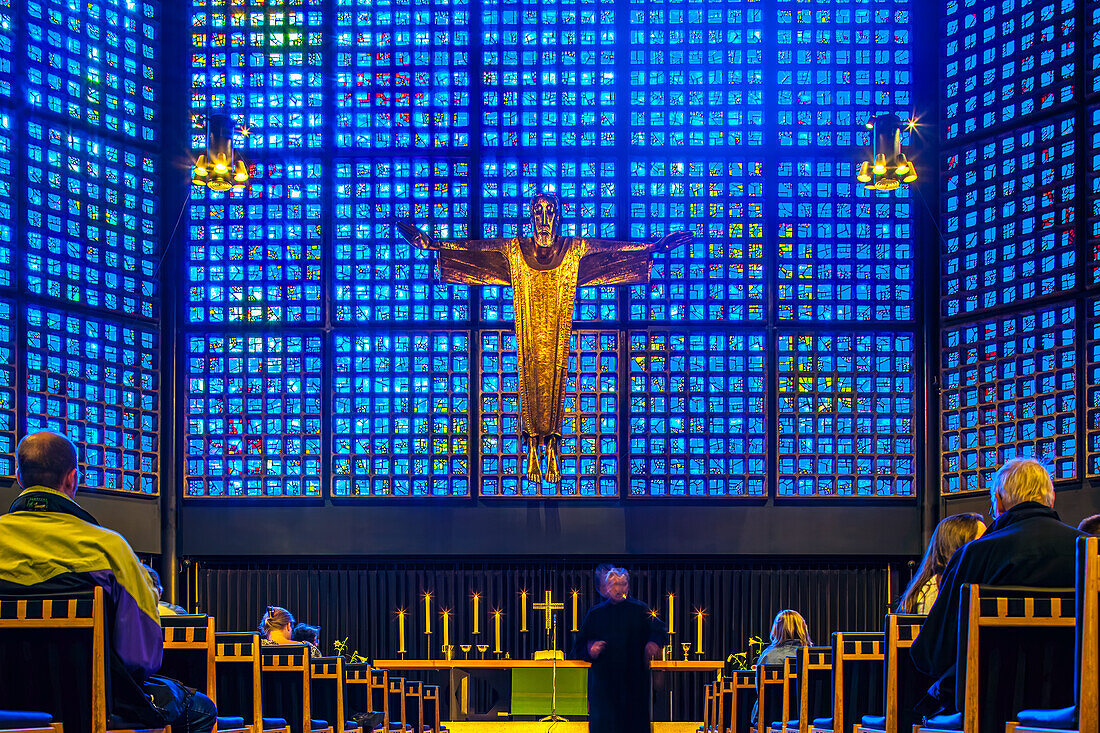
(523, 610)
(427, 613)
(699, 632)
(477, 613)
(400, 631)
(496, 631)
(447, 628)
(575, 594)
(671, 614)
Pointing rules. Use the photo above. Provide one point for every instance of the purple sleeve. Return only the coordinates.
(136, 637)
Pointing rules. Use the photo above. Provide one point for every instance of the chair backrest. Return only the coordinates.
(380, 693)
(770, 679)
(48, 638)
(814, 669)
(1087, 639)
(327, 691)
(432, 708)
(857, 676)
(237, 675)
(189, 652)
(905, 685)
(735, 698)
(397, 701)
(414, 704)
(285, 671)
(710, 710)
(1002, 670)
(357, 693)
(789, 707)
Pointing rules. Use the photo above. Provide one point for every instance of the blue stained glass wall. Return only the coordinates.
(80, 240)
(738, 121)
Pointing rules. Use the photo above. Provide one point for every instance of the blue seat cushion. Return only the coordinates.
(1059, 718)
(780, 724)
(24, 718)
(874, 721)
(230, 721)
(318, 724)
(351, 725)
(275, 723)
(954, 721)
(823, 723)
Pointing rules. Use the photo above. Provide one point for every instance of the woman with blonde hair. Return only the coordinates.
(950, 534)
(789, 633)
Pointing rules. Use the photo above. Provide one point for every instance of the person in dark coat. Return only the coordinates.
(619, 636)
(1027, 544)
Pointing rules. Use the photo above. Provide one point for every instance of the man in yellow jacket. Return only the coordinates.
(48, 543)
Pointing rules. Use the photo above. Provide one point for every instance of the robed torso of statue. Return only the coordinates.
(544, 272)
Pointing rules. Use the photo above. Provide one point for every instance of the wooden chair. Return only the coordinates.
(857, 679)
(189, 652)
(770, 679)
(238, 680)
(414, 705)
(358, 691)
(396, 692)
(328, 699)
(710, 709)
(814, 672)
(905, 686)
(49, 637)
(285, 672)
(1014, 654)
(734, 698)
(433, 709)
(1084, 715)
(394, 718)
(788, 708)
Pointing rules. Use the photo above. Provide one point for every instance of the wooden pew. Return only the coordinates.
(359, 691)
(710, 709)
(814, 670)
(857, 679)
(189, 653)
(433, 709)
(238, 679)
(788, 708)
(1084, 715)
(57, 637)
(770, 680)
(905, 686)
(1014, 654)
(735, 698)
(327, 698)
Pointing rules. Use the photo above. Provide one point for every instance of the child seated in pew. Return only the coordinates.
(309, 635)
(277, 627)
(950, 534)
(164, 608)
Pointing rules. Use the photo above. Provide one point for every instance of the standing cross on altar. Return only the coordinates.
(548, 606)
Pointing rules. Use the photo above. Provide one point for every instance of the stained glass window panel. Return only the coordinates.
(1092, 37)
(589, 445)
(7, 51)
(1004, 61)
(719, 276)
(696, 73)
(845, 253)
(95, 63)
(97, 381)
(847, 414)
(379, 276)
(8, 363)
(9, 198)
(586, 189)
(261, 62)
(698, 414)
(91, 221)
(840, 63)
(1009, 208)
(401, 414)
(1092, 166)
(254, 255)
(1008, 389)
(1092, 387)
(253, 415)
(402, 74)
(549, 74)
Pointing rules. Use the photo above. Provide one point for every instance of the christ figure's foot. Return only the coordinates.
(553, 474)
(534, 468)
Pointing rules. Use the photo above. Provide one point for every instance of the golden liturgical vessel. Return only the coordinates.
(544, 272)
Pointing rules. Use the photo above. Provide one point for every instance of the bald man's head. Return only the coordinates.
(47, 459)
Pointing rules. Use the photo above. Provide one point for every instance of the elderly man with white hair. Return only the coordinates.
(1027, 544)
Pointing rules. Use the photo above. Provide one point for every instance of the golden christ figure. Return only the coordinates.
(544, 272)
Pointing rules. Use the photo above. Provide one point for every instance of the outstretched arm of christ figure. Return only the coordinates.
(664, 245)
(420, 240)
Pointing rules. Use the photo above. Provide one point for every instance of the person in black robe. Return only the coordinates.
(619, 637)
(1027, 544)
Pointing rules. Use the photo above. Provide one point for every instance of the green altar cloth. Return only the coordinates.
(532, 687)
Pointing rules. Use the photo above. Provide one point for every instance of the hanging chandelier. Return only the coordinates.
(888, 167)
(219, 168)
